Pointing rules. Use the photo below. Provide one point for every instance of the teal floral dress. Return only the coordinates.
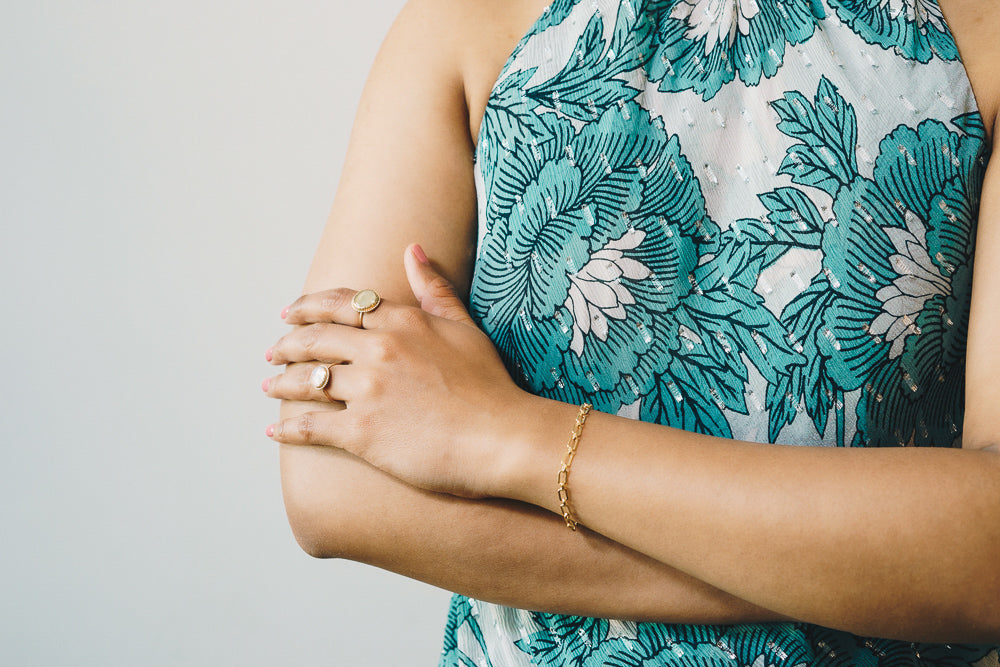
(748, 218)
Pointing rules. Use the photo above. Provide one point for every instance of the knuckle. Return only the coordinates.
(411, 318)
(305, 427)
(349, 428)
(383, 347)
(440, 286)
(330, 302)
(357, 428)
(323, 306)
(309, 339)
(303, 389)
(370, 384)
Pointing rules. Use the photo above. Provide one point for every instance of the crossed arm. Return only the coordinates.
(922, 567)
(408, 175)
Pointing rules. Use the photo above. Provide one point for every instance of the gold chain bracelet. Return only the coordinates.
(567, 461)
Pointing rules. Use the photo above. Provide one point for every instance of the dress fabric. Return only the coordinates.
(748, 218)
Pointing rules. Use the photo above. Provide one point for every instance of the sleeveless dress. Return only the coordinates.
(748, 218)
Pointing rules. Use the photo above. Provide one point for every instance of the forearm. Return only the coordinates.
(883, 542)
(499, 551)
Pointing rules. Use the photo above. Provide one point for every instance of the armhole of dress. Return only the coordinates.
(533, 30)
(960, 61)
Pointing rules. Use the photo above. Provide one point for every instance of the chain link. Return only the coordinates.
(567, 461)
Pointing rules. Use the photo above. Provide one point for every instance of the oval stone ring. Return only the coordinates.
(320, 379)
(365, 301)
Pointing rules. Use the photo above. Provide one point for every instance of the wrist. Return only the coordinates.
(528, 459)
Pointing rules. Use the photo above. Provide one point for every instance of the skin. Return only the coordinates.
(428, 474)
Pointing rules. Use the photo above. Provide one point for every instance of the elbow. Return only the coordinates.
(306, 529)
(314, 502)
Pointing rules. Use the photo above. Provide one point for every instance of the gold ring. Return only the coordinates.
(320, 379)
(365, 301)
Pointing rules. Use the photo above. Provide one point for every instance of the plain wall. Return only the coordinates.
(165, 171)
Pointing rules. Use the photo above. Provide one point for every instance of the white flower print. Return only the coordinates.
(919, 279)
(718, 19)
(920, 12)
(596, 292)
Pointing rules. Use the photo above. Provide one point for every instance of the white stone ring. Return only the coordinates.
(365, 301)
(320, 379)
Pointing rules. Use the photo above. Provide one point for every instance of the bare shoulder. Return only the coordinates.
(976, 27)
(470, 39)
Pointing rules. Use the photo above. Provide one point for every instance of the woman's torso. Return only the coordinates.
(758, 226)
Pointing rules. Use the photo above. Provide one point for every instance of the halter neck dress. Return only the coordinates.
(748, 218)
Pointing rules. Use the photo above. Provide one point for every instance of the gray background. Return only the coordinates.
(165, 171)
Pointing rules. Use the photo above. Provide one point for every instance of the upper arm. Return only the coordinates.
(982, 427)
(408, 172)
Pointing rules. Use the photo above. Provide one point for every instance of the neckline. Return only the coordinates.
(534, 29)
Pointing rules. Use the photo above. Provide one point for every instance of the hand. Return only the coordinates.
(427, 397)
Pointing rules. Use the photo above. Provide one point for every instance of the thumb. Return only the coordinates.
(436, 295)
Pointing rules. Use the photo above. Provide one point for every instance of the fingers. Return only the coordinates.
(316, 342)
(298, 383)
(310, 428)
(435, 293)
(331, 306)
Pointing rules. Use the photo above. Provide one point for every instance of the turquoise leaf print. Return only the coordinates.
(708, 338)
(590, 270)
(586, 86)
(510, 125)
(461, 613)
(580, 245)
(554, 14)
(927, 173)
(828, 132)
(655, 645)
(792, 221)
(886, 315)
(564, 641)
(812, 381)
(705, 44)
(589, 83)
(914, 29)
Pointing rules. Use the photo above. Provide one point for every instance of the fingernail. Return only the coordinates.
(418, 252)
(265, 384)
(268, 355)
(284, 313)
(269, 431)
